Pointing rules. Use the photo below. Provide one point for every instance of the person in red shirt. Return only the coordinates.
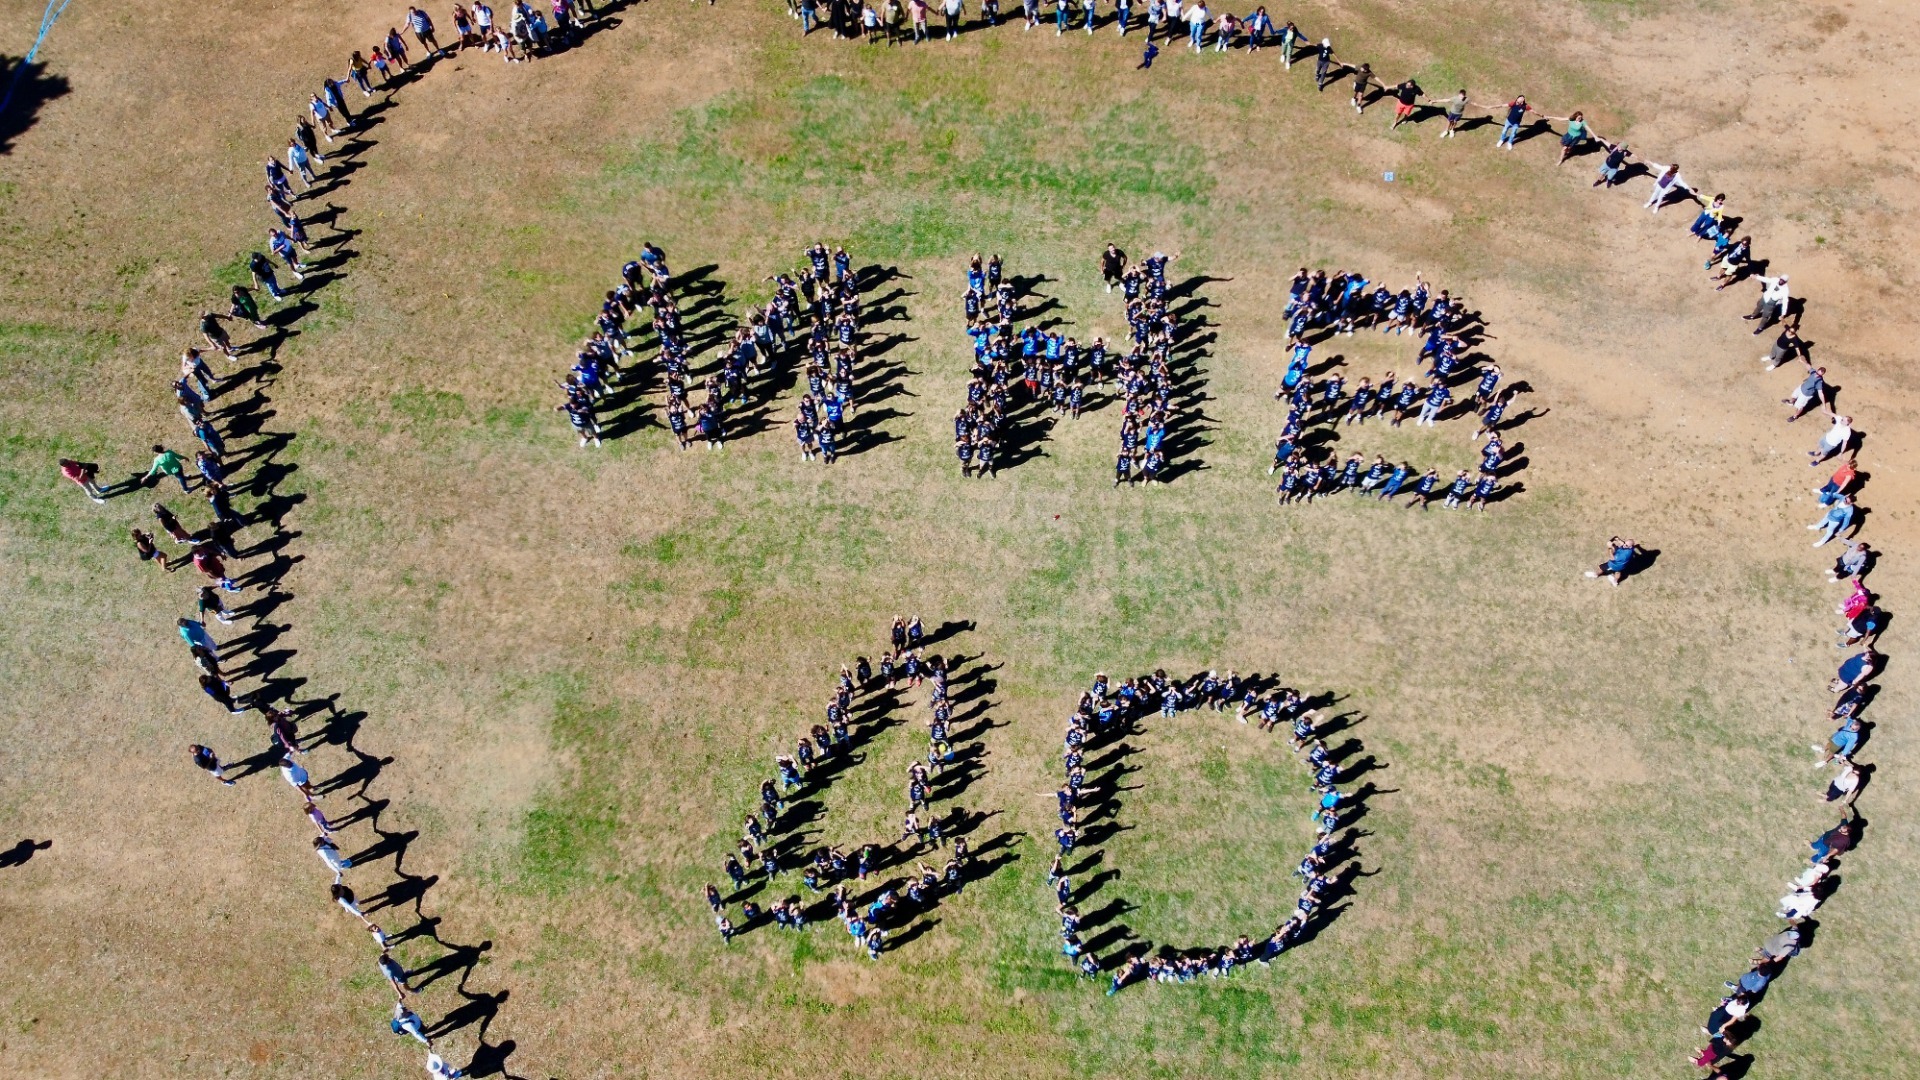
(1837, 487)
(84, 473)
(207, 561)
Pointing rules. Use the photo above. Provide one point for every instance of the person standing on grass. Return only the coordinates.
(323, 117)
(1423, 491)
(282, 245)
(330, 855)
(1706, 225)
(1490, 418)
(1406, 98)
(208, 761)
(1482, 491)
(1845, 788)
(1852, 562)
(241, 305)
(1667, 183)
(217, 689)
(1610, 166)
(335, 95)
(1438, 398)
(194, 632)
(397, 48)
(314, 814)
(422, 27)
(394, 974)
(1838, 519)
(208, 563)
(216, 335)
(1197, 17)
(1785, 347)
(407, 1022)
(301, 162)
(357, 68)
(277, 183)
(264, 276)
(1620, 556)
(1856, 670)
(1772, 304)
(1517, 111)
(167, 463)
(1323, 64)
(1839, 483)
(348, 902)
(1840, 745)
(1362, 83)
(1836, 439)
(84, 473)
(1576, 136)
(1812, 390)
(148, 551)
(1394, 482)
(953, 10)
(918, 8)
(1736, 262)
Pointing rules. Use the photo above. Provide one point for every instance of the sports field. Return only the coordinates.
(545, 682)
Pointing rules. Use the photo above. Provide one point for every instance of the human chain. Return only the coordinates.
(234, 465)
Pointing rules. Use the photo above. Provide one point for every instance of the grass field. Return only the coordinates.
(570, 668)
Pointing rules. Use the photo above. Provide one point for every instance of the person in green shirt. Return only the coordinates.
(1576, 137)
(169, 463)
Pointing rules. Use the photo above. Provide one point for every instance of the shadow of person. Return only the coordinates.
(18, 854)
(24, 88)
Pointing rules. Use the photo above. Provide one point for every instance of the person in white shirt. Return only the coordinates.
(1197, 19)
(1772, 305)
(330, 855)
(1835, 440)
(1797, 905)
(1666, 181)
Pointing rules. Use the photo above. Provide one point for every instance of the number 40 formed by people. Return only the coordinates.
(883, 890)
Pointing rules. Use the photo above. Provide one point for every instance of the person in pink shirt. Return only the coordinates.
(85, 474)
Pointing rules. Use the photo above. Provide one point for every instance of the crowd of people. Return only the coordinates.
(212, 472)
(1104, 710)
(597, 370)
(222, 472)
(1148, 382)
(526, 35)
(817, 306)
(1321, 306)
(1016, 375)
(826, 293)
(836, 880)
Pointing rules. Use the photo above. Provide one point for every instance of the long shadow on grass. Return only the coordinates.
(1162, 378)
(1086, 883)
(1013, 400)
(314, 729)
(891, 885)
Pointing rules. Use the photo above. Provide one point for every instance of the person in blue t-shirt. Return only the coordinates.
(1621, 553)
